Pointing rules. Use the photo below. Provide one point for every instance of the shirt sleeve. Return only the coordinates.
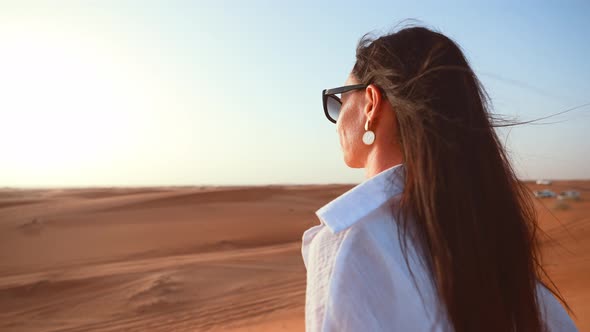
(360, 295)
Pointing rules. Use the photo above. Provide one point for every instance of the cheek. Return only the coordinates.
(348, 127)
(341, 125)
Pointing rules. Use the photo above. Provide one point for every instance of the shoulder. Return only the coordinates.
(375, 235)
(373, 230)
(371, 248)
(553, 312)
(364, 281)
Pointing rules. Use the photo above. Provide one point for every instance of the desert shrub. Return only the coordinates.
(561, 205)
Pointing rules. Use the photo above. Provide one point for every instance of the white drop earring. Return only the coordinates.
(369, 135)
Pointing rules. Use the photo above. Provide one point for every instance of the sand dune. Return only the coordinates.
(197, 258)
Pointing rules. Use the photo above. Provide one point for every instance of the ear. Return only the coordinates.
(373, 97)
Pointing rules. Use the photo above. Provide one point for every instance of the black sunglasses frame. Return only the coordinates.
(330, 93)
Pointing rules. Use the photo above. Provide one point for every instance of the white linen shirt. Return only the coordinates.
(357, 278)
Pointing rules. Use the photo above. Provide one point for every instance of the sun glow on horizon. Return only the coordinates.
(69, 102)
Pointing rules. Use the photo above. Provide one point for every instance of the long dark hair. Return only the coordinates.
(474, 220)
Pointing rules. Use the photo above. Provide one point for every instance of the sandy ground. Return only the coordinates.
(199, 258)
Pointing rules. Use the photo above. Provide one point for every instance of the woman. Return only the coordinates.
(441, 234)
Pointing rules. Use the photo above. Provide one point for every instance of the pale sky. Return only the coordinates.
(141, 93)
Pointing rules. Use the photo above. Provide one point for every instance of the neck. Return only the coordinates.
(380, 159)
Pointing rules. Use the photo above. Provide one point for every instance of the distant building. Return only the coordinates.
(544, 182)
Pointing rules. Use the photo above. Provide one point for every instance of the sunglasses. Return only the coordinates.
(332, 103)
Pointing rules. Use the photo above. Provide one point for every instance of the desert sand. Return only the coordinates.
(200, 258)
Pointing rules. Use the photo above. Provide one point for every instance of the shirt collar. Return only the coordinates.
(358, 202)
